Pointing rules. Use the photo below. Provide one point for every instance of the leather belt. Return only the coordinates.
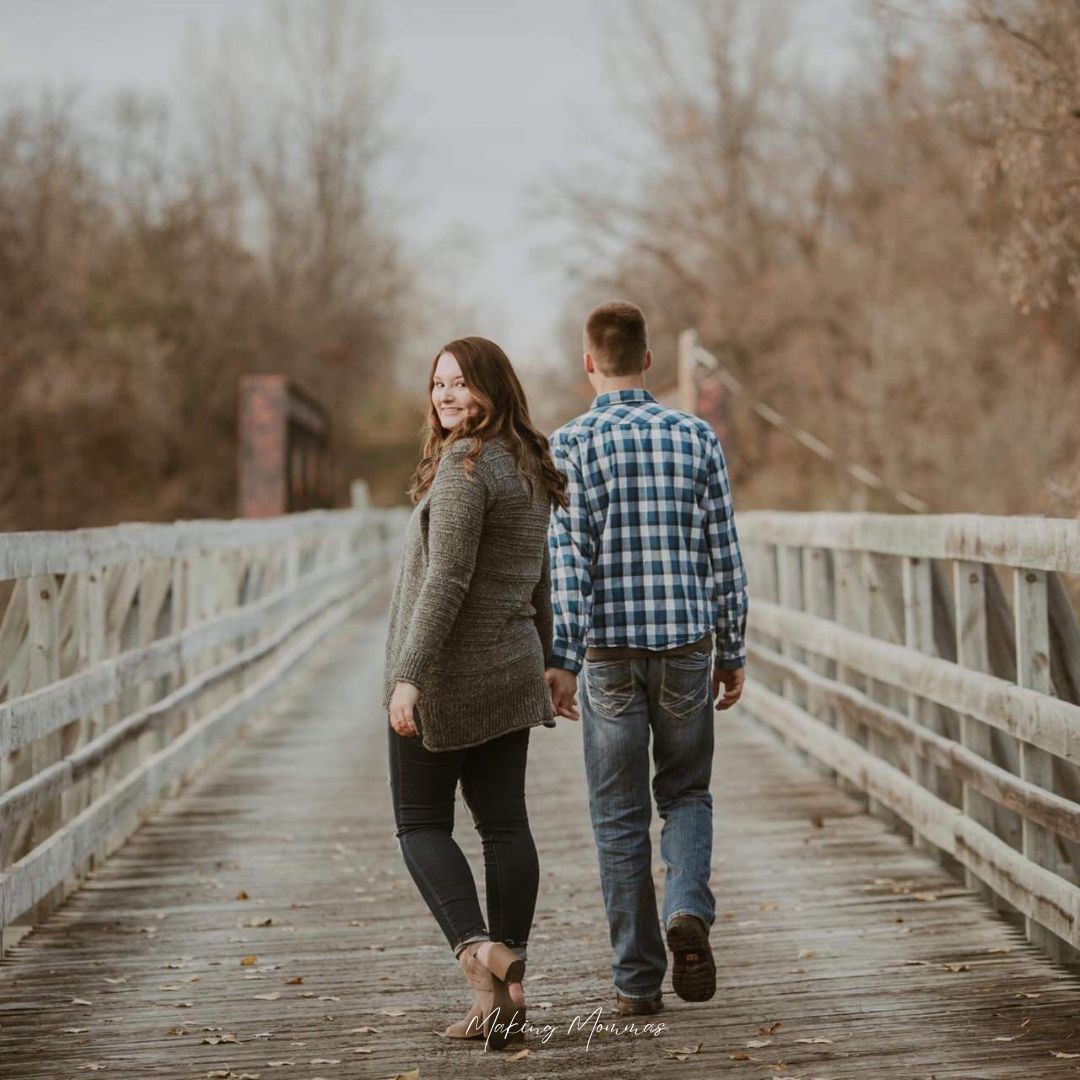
(630, 652)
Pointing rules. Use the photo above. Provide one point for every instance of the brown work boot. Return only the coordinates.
(632, 1007)
(693, 971)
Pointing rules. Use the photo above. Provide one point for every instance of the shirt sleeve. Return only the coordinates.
(456, 510)
(729, 574)
(572, 547)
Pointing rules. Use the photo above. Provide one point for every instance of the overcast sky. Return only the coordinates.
(494, 96)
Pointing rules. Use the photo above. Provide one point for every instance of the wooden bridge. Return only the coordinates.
(195, 819)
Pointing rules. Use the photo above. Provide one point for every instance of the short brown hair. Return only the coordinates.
(618, 337)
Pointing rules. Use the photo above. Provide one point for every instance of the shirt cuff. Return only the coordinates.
(567, 655)
(729, 660)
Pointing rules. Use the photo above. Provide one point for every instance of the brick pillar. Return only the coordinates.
(264, 446)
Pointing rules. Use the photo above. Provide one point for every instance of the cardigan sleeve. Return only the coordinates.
(541, 600)
(457, 506)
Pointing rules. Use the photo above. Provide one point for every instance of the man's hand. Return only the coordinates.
(733, 683)
(402, 702)
(563, 687)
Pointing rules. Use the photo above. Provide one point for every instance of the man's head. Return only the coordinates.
(616, 343)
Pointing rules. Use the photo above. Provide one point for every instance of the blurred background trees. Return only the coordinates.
(890, 260)
(891, 263)
(152, 254)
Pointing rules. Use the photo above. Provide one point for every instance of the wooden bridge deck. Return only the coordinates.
(263, 924)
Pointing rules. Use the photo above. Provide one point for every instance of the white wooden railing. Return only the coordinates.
(128, 653)
(933, 663)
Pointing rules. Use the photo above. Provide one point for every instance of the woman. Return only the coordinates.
(469, 639)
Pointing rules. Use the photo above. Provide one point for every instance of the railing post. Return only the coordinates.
(919, 635)
(790, 592)
(851, 612)
(1030, 610)
(43, 630)
(972, 651)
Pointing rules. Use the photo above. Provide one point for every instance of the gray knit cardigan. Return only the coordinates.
(470, 619)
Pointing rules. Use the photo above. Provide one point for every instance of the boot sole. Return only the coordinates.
(693, 974)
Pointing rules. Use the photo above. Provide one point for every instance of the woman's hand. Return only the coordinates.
(402, 702)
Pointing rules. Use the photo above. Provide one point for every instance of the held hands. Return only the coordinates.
(733, 683)
(563, 686)
(402, 702)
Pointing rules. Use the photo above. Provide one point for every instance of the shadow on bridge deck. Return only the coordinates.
(843, 952)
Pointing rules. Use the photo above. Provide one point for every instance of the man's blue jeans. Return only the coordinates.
(622, 701)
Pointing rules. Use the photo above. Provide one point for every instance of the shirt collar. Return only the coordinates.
(620, 397)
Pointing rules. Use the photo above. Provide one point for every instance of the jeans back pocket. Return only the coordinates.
(684, 683)
(610, 685)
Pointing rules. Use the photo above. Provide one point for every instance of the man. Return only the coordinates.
(645, 566)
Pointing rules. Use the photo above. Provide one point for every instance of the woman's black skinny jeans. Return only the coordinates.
(423, 785)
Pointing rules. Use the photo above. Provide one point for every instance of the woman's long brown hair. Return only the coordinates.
(502, 409)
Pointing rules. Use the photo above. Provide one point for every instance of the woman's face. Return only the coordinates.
(449, 394)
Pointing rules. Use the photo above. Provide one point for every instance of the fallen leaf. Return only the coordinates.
(1062, 1054)
(740, 1056)
(365, 1031)
(363, 1050)
(925, 897)
(1022, 994)
(769, 905)
(307, 994)
(177, 1031)
(328, 997)
(248, 961)
(117, 980)
(75, 1031)
(680, 1053)
(296, 980)
(772, 1029)
(806, 954)
(1008, 1038)
(93, 1066)
(80, 1001)
(241, 895)
(756, 1044)
(954, 967)
(401, 1012)
(273, 996)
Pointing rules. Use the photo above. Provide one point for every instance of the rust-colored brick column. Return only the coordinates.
(264, 446)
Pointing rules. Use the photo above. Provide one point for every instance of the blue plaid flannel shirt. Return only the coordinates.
(647, 554)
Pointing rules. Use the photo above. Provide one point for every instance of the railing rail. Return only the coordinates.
(931, 662)
(127, 653)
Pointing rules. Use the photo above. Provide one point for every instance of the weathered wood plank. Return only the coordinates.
(1028, 542)
(1046, 722)
(827, 924)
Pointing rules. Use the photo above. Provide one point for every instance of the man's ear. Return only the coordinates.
(587, 362)
(648, 360)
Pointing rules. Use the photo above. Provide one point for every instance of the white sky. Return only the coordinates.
(494, 96)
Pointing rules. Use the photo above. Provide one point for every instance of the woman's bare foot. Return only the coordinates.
(515, 989)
